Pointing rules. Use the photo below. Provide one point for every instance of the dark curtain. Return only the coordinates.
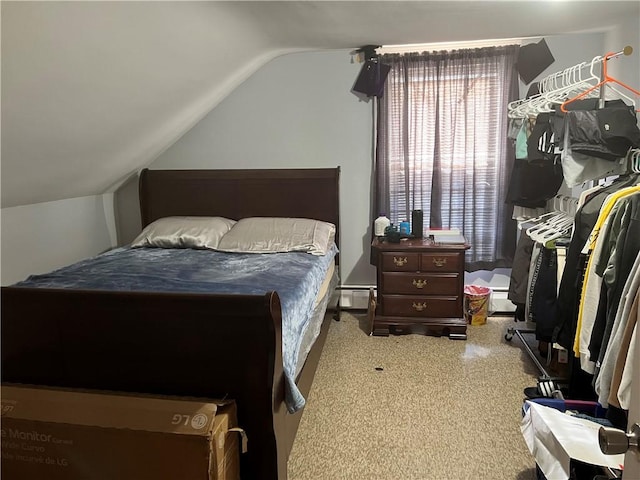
(442, 146)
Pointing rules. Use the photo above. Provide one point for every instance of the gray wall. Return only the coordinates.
(297, 111)
(44, 236)
(626, 69)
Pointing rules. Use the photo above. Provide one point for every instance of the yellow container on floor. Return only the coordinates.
(476, 304)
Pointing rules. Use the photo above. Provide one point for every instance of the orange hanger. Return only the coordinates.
(606, 78)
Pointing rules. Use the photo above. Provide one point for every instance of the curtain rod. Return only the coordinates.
(424, 47)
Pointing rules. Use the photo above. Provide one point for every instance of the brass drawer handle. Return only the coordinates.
(400, 261)
(419, 283)
(419, 306)
(439, 262)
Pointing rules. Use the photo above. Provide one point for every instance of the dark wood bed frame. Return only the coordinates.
(180, 344)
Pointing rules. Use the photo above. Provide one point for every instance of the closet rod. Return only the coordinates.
(628, 50)
(555, 87)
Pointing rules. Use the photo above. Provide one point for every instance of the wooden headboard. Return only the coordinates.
(303, 193)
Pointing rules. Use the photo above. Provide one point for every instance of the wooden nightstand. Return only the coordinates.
(420, 282)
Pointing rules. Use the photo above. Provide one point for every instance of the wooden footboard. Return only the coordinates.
(170, 344)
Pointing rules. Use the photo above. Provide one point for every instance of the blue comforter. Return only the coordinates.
(296, 277)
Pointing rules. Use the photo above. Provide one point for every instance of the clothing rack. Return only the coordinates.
(573, 83)
(584, 80)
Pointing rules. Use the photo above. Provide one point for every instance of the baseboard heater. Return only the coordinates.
(356, 297)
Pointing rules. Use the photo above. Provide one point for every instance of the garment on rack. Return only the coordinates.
(578, 167)
(605, 133)
(534, 269)
(624, 391)
(521, 141)
(613, 250)
(544, 294)
(570, 285)
(599, 247)
(615, 274)
(583, 148)
(607, 383)
(558, 120)
(534, 275)
(518, 280)
(571, 282)
(540, 143)
(532, 183)
(535, 177)
(513, 129)
(561, 254)
(587, 193)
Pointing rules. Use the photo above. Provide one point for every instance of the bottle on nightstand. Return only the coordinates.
(380, 224)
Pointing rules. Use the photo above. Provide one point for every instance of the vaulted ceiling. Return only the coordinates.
(93, 91)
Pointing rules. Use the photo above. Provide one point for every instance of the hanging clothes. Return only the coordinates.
(608, 380)
(518, 280)
(571, 283)
(624, 391)
(606, 133)
(544, 294)
(583, 149)
(615, 274)
(599, 247)
(537, 174)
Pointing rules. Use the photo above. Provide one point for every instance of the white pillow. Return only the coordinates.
(184, 232)
(278, 234)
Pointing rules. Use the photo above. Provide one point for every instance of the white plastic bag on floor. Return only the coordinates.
(554, 438)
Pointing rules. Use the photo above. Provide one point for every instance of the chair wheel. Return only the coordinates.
(508, 337)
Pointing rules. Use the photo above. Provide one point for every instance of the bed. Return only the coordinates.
(182, 343)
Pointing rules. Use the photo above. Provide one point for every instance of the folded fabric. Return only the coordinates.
(606, 133)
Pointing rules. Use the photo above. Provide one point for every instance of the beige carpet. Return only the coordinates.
(415, 407)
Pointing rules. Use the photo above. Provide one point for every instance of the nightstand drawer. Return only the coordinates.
(420, 283)
(420, 306)
(400, 262)
(441, 262)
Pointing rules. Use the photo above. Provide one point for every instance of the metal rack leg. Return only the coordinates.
(543, 371)
(520, 332)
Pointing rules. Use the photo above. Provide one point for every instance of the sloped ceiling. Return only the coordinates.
(93, 91)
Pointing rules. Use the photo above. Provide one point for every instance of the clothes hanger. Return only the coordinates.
(606, 78)
(556, 220)
(633, 157)
(549, 236)
(556, 88)
(559, 228)
(541, 234)
(561, 215)
(535, 221)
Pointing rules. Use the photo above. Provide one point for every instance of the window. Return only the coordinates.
(442, 146)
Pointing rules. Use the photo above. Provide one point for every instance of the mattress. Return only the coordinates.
(298, 278)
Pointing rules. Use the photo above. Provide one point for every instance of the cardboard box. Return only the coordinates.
(62, 434)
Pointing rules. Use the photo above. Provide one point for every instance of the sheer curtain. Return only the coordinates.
(442, 146)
